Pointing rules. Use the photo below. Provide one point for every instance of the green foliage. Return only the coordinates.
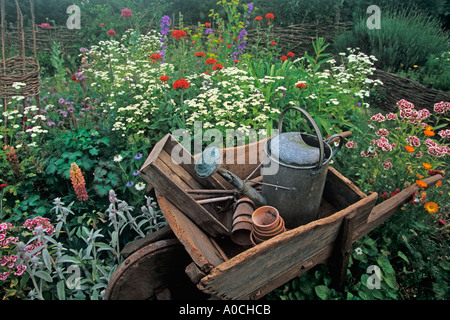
(393, 44)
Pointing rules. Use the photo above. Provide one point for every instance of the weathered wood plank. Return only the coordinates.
(265, 264)
(199, 246)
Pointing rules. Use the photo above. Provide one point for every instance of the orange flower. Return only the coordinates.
(409, 148)
(427, 166)
(258, 18)
(217, 66)
(419, 176)
(428, 133)
(421, 184)
(438, 183)
(78, 183)
(431, 207)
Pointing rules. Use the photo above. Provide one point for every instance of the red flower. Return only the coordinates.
(229, 46)
(111, 33)
(3, 186)
(290, 54)
(269, 16)
(74, 77)
(200, 54)
(207, 24)
(258, 18)
(178, 34)
(273, 43)
(127, 13)
(283, 58)
(211, 61)
(102, 25)
(164, 78)
(218, 66)
(181, 84)
(154, 57)
(300, 85)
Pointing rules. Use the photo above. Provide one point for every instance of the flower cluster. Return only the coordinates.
(181, 84)
(78, 183)
(43, 223)
(179, 34)
(126, 13)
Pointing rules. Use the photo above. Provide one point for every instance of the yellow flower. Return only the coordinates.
(427, 166)
(415, 66)
(431, 207)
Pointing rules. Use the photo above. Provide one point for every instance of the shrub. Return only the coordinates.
(394, 44)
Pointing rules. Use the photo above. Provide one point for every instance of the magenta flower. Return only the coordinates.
(127, 13)
(45, 25)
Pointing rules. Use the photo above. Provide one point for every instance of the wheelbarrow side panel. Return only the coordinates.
(261, 269)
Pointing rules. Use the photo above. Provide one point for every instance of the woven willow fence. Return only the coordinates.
(295, 38)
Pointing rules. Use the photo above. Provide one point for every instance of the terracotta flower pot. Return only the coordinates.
(267, 234)
(241, 233)
(243, 206)
(266, 218)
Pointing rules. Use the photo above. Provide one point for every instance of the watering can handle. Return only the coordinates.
(316, 128)
(341, 143)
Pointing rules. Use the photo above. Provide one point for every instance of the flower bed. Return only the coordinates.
(66, 165)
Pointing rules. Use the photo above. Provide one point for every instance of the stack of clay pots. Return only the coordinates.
(242, 222)
(266, 223)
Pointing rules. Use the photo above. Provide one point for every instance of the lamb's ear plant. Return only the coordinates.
(70, 261)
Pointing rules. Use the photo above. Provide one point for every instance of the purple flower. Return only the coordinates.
(209, 31)
(130, 184)
(136, 173)
(165, 23)
(138, 156)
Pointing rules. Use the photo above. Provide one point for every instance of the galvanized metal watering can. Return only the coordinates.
(294, 172)
(302, 161)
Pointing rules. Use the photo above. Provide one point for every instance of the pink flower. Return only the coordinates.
(4, 275)
(351, 144)
(111, 33)
(413, 141)
(45, 25)
(382, 132)
(378, 117)
(387, 165)
(20, 269)
(127, 13)
(444, 133)
(403, 104)
(424, 114)
(392, 116)
(441, 107)
(384, 144)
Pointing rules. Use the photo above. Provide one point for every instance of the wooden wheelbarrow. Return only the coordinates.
(193, 257)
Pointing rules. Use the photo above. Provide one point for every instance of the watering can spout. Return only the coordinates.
(208, 163)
